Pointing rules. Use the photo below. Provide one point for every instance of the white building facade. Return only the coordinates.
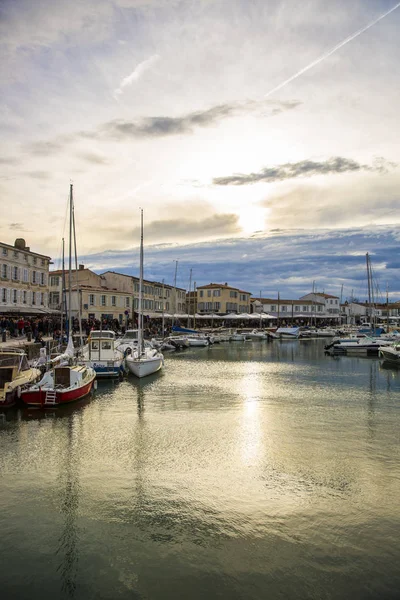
(24, 280)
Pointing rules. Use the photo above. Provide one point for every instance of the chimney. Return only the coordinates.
(81, 267)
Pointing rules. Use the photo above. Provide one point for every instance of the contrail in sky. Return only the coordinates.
(331, 51)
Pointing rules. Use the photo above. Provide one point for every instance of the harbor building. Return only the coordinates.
(112, 295)
(24, 280)
(289, 310)
(331, 303)
(222, 298)
(157, 297)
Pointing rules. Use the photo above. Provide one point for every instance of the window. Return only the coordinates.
(320, 308)
(92, 299)
(103, 300)
(15, 254)
(217, 293)
(43, 262)
(209, 293)
(24, 297)
(297, 309)
(136, 287)
(201, 293)
(34, 278)
(136, 303)
(305, 308)
(34, 260)
(42, 279)
(4, 271)
(15, 273)
(217, 305)
(127, 303)
(54, 281)
(14, 296)
(106, 345)
(5, 251)
(33, 297)
(113, 300)
(283, 308)
(4, 295)
(25, 276)
(273, 308)
(233, 294)
(42, 299)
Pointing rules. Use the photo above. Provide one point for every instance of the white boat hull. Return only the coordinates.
(141, 367)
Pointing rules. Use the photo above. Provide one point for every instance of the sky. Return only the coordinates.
(260, 140)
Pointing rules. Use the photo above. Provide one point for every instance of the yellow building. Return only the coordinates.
(222, 298)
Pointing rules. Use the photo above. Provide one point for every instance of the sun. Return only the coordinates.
(252, 218)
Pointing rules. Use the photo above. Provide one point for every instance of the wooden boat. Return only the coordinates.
(15, 375)
(60, 385)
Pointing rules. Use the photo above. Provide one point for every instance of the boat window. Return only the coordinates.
(6, 376)
(10, 360)
(106, 345)
(95, 345)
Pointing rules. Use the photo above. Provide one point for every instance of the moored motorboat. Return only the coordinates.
(288, 333)
(365, 346)
(101, 354)
(391, 354)
(15, 375)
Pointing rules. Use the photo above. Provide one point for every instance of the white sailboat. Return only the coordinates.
(143, 361)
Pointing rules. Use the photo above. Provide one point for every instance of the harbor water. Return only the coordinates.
(248, 470)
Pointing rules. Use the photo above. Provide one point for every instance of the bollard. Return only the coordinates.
(29, 337)
(4, 336)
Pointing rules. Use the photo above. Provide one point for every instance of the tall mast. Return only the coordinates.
(387, 308)
(140, 331)
(70, 263)
(194, 305)
(261, 310)
(162, 326)
(189, 303)
(369, 311)
(62, 292)
(78, 297)
(175, 303)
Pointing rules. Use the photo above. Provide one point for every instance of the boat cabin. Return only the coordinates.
(101, 345)
(11, 364)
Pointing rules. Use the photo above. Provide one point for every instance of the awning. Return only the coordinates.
(22, 310)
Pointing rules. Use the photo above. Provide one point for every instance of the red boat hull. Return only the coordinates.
(38, 397)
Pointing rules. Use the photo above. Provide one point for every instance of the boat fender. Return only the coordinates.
(95, 385)
(19, 391)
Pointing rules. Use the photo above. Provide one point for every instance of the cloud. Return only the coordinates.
(287, 261)
(335, 205)
(136, 74)
(304, 168)
(162, 126)
(176, 230)
(38, 174)
(96, 159)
